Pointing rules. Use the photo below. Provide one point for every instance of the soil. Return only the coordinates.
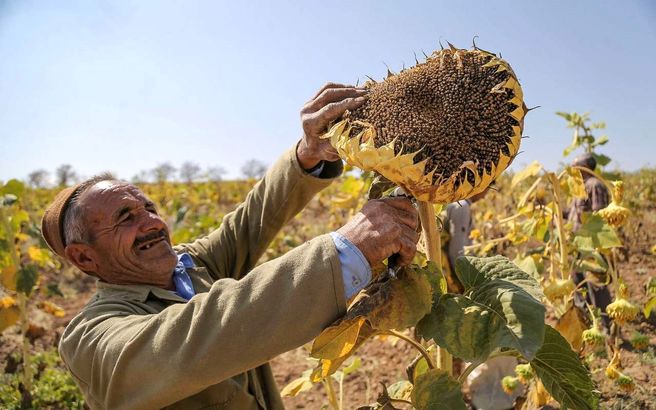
(384, 361)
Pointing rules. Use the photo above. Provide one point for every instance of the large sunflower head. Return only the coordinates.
(443, 129)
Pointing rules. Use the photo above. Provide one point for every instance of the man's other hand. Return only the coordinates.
(384, 227)
(327, 105)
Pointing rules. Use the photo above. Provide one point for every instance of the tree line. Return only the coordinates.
(188, 172)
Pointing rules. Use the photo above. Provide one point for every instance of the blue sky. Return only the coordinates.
(126, 85)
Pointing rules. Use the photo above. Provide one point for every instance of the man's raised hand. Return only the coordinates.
(327, 105)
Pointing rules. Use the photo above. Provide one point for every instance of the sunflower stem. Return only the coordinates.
(434, 254)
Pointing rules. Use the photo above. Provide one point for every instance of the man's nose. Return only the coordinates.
(150, 222)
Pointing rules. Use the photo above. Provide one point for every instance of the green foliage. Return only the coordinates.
(500, 307)
(53, 385)
(583, 137)
(435, 389)
(562, 374)
(596, 234)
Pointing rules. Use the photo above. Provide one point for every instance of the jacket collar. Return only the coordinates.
(138, 293)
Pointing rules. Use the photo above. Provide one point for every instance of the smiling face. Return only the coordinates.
(129, 242)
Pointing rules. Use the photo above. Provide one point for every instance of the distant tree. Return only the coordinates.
(65, 175)
(215, 174)
(253, 168)
(38, 178)
(141, 178)
(189, 172)
(163, 172)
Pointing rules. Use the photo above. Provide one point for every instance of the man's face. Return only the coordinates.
(131, 242)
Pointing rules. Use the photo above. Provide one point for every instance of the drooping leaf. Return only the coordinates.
(571, 326)
(501, 307)
(531, 170)
(435, 389)
(602, 160)
(528, 265)
(649, 306)
(596, 234)
(400, 390)
(601, 141)
(338, 340)
(9, 312)
(296, 386)
(353, 367)
(575, 183)
(52, 308)
(8, 278)
(563, 374)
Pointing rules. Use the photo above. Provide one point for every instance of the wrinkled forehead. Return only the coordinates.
(105, 197)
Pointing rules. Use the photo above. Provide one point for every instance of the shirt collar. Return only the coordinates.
(140, 293)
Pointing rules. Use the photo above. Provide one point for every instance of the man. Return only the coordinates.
(193, 326)
(597, 198)
(597, 194)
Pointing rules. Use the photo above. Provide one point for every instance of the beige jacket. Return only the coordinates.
(142, 347)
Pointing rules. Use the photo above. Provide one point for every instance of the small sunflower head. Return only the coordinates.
(621, 310)
(524, 372)
(625, 383)
(613, 369)
(593, 337)
(618, 191)
(615, 215)
(509, 384)
(639, 341)
(558, 289)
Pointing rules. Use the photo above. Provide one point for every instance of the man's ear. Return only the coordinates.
(82, 256)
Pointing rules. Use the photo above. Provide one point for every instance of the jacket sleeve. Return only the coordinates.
(244, 235)
(128, 360)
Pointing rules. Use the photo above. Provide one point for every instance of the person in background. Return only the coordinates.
(598, 198)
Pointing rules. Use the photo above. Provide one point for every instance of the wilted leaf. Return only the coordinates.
(649, 306)
(571, 326)
(297, 386)
(52, 308)
(338, 340)
(38, 255)
(575, 183)
(591, 261)
(596, 234)
(379, 186)
(435, 389)
(501, 307)
(9, 312)
(400, 390)
(353, 367)
(531, 170)
(528, 265)
(562, 373)
(9, 277)
(537, 396)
